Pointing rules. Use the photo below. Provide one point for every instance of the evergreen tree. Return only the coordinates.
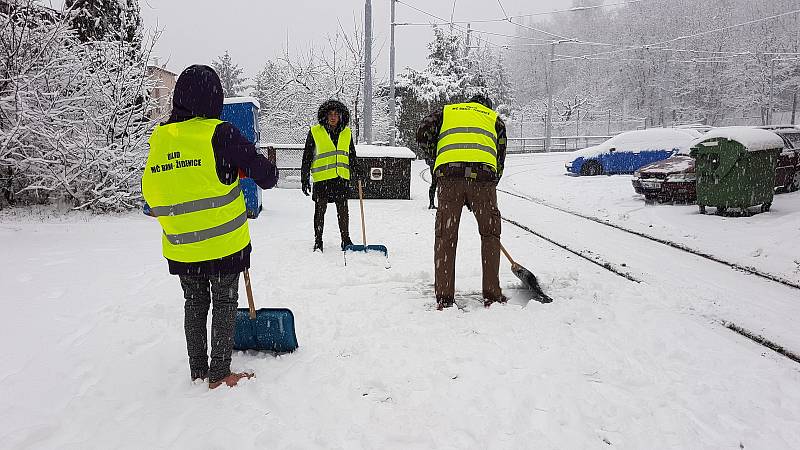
(230, 74)
(451, 76)
(106, 20)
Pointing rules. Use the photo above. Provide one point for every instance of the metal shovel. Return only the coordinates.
(527, 278)
(266, 329)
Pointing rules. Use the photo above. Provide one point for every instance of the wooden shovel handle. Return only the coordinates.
(505, 252)
(249, 294)
(361, 202)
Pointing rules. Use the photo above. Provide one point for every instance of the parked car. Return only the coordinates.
(787, 170)
(627, 152)
(673, 179)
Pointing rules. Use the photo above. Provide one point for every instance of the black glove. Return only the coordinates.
(306, 187)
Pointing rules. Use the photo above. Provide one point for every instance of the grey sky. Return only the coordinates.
(197, 31)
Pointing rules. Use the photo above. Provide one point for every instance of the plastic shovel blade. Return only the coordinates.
(368, 248)
(529, 280)
(272, 330)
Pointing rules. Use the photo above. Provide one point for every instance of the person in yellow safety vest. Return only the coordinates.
(467, 144)
(191, 183)
(330, 160)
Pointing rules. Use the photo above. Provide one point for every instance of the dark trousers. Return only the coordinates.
(320, 206)
(481, 198)
(198, 290)
(432, 189)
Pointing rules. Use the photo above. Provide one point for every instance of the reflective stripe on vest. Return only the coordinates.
(202, 218)
(330, 161)
(468, 134)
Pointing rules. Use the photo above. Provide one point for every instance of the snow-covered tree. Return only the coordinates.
(103, 20)
(451, 75)
(291, 88)
(73, 115)
(230, 74)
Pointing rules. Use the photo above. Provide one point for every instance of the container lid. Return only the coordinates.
(383, 151)
(253, 100)
(753, 139)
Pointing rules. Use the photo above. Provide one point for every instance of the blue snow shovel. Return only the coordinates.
(266, 329)
(365, 248)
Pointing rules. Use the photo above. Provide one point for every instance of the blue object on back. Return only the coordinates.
(272, 330)
(244, 116)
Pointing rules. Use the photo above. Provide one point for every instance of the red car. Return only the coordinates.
(787, 170)
(672, 179)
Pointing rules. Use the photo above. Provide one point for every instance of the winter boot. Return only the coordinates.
(318, 245)
(487, 302)
(442, 303)
(346, 242)
(231, 380)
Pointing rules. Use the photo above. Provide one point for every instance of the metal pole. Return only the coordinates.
(368, 72)
(392, 118)
(771, 86)
(608, 124)
(466, 49)
(549, 124)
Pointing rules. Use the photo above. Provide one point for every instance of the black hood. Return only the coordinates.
(335, 105)
(198, 93)
(482, 99)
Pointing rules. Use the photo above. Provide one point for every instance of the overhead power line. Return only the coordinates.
(682, 38)
(546, 13)
(444, 21)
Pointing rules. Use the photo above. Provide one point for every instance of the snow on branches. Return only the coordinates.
(73, 114)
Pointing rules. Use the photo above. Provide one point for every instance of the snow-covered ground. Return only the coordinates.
(768, 242)
(95, 352)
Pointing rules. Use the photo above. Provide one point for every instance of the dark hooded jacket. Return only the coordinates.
(198, 93)
(336, 189)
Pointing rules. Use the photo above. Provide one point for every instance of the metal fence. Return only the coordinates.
(557, 143)
(288, 158)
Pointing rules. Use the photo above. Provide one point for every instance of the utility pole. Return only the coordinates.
(466, 48)
(392, 106)
(771, 86)
(368, 72)
(794, 105)
(548, 126)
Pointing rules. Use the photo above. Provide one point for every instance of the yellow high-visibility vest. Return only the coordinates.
(468, 134)
(202, 218)
(330, 161)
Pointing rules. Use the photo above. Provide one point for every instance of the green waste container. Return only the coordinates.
(735, 168)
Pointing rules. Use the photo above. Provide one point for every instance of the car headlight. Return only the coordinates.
(681, 178)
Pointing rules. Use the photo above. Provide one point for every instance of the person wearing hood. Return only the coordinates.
(330, 159)
(467, 144)
(191, 182)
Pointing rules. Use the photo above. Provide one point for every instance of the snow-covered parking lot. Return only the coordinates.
(95, 354)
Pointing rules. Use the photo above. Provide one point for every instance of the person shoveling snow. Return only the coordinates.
(191, 182)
